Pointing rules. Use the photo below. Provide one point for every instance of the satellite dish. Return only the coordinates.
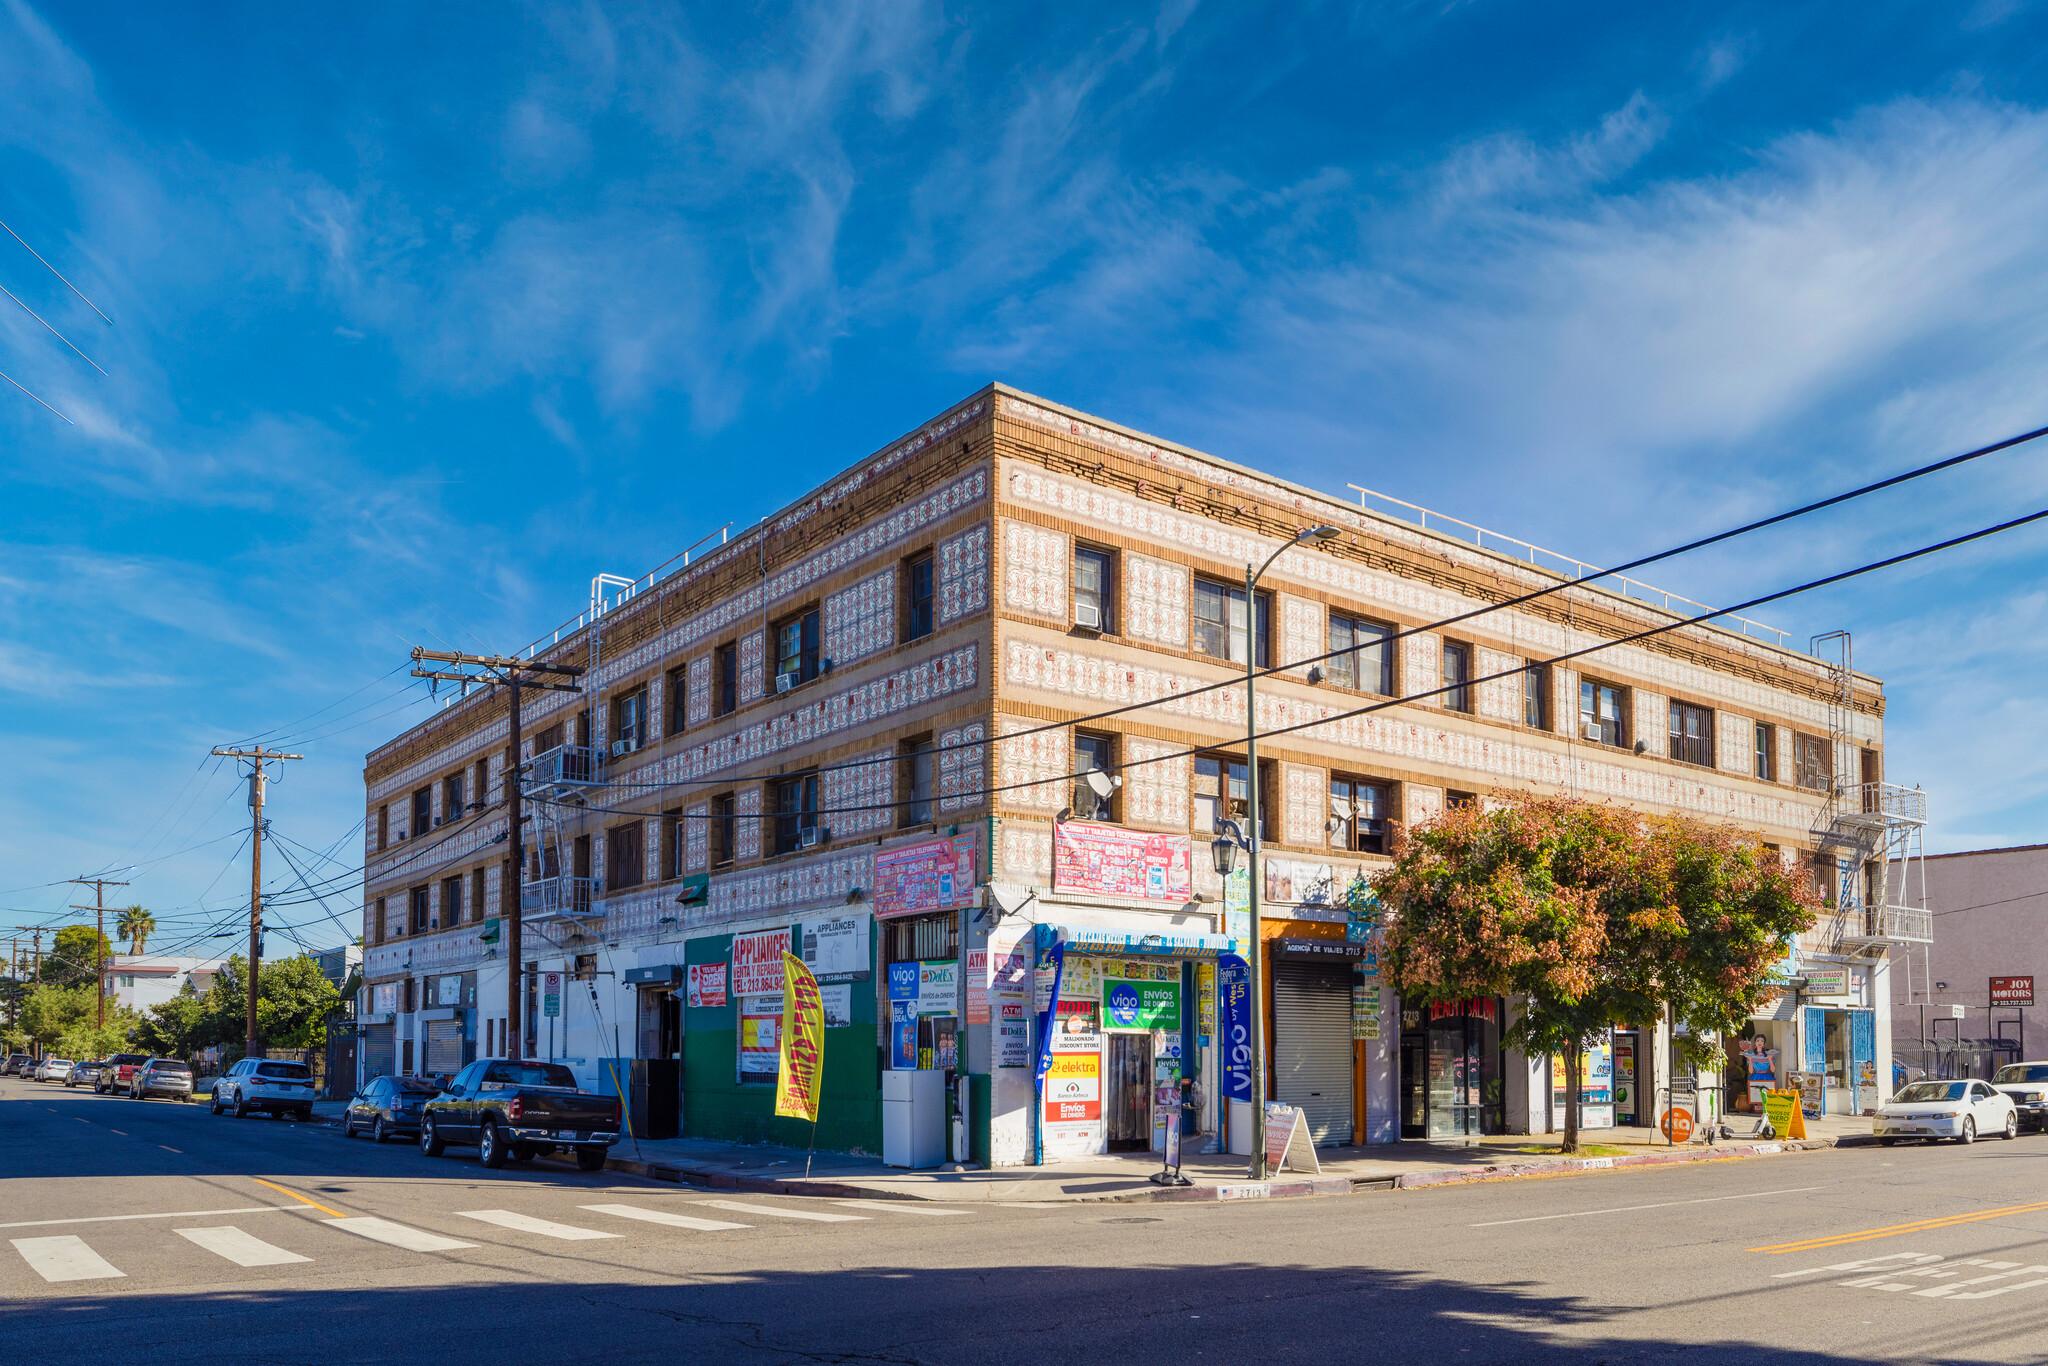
(1101, 784)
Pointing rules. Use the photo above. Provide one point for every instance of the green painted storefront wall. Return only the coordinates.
(717, 1105)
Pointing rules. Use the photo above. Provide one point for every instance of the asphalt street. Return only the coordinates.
(154, 1226)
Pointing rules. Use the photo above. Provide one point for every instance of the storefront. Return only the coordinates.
(1312, 1053)
(1451, 1069)
(1839, 1040)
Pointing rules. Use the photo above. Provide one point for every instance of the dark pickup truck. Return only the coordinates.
(518, 1110)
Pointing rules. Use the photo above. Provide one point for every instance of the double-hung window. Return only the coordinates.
(625, 853)
(1222, 791)
(1092, 596)
(1094, 761)
(629, 721)
(726, 665)
(724, 830)
(918, 593)
(796, 810)
(1457, 693)
(1223, 627)
(1535, 696)
(1600, 717)
(1766, 752)
(918, 756)
(1358, 815)
(1692, 734)
(796, 650)
(1363, 657)
(1816, 769)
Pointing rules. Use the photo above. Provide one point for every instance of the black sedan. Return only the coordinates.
(86, 1073)
(387, 1107)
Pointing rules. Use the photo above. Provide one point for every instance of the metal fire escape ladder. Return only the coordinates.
(1872, 830)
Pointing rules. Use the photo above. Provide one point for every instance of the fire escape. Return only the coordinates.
(1873, 832)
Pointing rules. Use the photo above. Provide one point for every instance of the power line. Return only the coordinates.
(58, 273)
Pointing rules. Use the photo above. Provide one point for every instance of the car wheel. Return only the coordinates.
(1887, 1143)
(241, 1106)
(490, 1147)
(2012, 1127)
(591, 1159)
(430, 1139)
(1969, 1133)
(348, 1124)
(379, 1131)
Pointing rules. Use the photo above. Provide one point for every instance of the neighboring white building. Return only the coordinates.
(141, 980)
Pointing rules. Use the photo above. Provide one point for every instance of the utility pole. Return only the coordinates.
(36, 961)
(256, 759)
(515, 673)
(99, 887)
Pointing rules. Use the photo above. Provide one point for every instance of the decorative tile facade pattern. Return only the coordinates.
(1422, 668)
(1369, 589)
(963, 575)
(1498, 698)
(700, 690)
(1304, 804)
(1650, 721)
(861, 620)
(855, 800)
(1155, 788)
(657, 710)
(963, 764)
(1304, 632)
(1035, 570)
(822, 880)
(753, 666)
(1421, 803)
(821, 715)
(1734, 743)
(1040, 762)
(697, 837)
(1156, 601)
(1487, 755)
(746, 838)
(1024, 853)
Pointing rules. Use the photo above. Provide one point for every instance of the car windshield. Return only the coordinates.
(2021, 1071)
(416, 1086)
(529, 1074)
(298, 1071)
(1920, 1092)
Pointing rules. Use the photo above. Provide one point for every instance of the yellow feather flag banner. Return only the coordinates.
(803, 1042)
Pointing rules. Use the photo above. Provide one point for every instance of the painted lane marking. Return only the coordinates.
(900, 1207)
(655, 1216)
(772, 1212)
(526, 1223)
(169, 1149)
(1895, 1230)
(238, 1247)
(117, 1131)
(1916, 1258)
(174, 1214)
(1625, 1209)
(281, 1190)
(398, 1235)
(65, 1257)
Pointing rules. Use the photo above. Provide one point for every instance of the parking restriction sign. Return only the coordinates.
(551, 994)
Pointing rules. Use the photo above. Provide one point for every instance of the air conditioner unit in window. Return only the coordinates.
(1593, 732)
(784, 682)
(1088, 614)
(812, 837)
(624, 747)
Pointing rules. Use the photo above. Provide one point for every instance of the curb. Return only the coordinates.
(1569, 1166)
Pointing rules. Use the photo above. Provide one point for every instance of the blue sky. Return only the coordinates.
(421, 322)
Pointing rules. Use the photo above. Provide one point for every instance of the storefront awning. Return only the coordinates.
(1094, 939)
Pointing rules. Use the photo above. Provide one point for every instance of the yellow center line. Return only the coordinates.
(298, 1197)
(1895, 1230)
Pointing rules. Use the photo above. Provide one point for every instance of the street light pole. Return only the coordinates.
(1255, 959)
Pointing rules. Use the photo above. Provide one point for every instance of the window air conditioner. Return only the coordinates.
(1592, 730)
(1088, 614)
(784, 682)
(624, 747)
(812, 837)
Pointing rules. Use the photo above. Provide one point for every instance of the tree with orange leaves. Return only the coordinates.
(1591, 916)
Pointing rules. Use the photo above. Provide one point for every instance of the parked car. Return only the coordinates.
(265, 1084)
(388, 1106)
(1960, 1110)
(161, 1077)
(2027, 1084)
(53, 1069)
(120, 1073)
(86, 1073)
(518, 1110)
(17, 1065)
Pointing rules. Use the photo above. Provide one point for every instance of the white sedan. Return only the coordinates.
(1960, 1110)
(53, 1069)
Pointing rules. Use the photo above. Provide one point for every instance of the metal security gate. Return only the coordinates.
(444, 1047)
(380, 1047)
(1312, 1046)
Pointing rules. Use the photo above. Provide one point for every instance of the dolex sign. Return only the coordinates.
(2012, 991)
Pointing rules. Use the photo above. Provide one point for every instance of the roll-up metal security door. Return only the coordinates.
(1312, 1046)
(444, 1046)
(380, 1050)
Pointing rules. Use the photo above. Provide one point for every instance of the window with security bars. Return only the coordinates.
(1692, 734)
(1816, 769)
(1361, 656)
(922, 937)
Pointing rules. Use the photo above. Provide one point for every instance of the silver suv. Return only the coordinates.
(265, 1084)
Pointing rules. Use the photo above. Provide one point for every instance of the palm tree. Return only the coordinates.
(135, 925)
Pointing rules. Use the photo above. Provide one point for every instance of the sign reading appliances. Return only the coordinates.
(757, 963)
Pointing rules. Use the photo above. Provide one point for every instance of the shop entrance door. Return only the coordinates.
(1414, 1076)
(1127, 1098)
(1312, 1046)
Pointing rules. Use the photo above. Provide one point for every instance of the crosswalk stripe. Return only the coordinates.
(526, 1223)
(241, 1248)
(900, 1207)
(398, 1235)
(657, 1216)
(64, 1257)
(775, 1212)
